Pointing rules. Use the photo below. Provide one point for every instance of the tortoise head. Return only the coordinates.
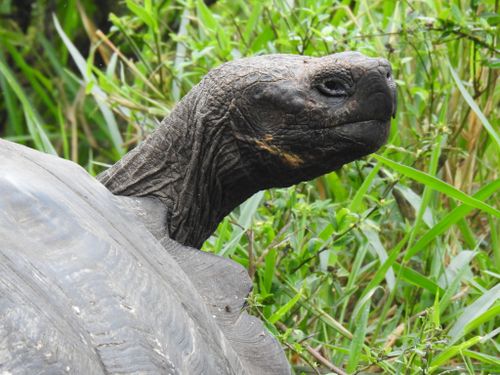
(295, 118)
(257, 123)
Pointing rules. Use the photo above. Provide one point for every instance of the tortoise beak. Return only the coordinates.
(394, 102)
(385, 70)
(392, 86)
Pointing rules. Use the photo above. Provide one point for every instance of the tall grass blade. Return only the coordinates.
(376, 244)
(361, 192)
(451, 218)
(417, 279)
(470, 101)
(358, 339)
(180, 54)
(472, 312)
(33, 119)
(454, 274)
(383, 269)
(485, 358)
(438, 185)
(452, 351)
(98, 94)
(285, 308)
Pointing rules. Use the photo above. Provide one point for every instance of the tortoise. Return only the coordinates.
(105, 276)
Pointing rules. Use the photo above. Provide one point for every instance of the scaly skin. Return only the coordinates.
(252, 124)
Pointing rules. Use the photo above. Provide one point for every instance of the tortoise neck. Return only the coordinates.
(192, 164)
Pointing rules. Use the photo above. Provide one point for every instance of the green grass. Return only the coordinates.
(389, 265)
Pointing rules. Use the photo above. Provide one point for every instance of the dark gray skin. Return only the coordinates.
(253, 124)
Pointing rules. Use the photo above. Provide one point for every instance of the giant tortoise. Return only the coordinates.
(102, 276)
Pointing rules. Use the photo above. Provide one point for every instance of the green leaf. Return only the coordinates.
(207, 18)
(285, 308)
(143, 13)
(416, 278)
(361, 192)
(454, 216)
(247, 212)
(492, 313)
(41, 85)
(270, 263)
(382, 270)
(250, 27)
(335, 187)
(485, 358)
(14, 124)
(452, 351)
(358, 339)
(456, 271)
(474, 311)
(438, 185)
(376, 245)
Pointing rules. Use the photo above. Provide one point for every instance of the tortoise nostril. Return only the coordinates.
(385, 68)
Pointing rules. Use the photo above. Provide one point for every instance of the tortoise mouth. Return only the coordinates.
(364, 122)
(369, 135)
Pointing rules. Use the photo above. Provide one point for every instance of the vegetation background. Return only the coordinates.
(389, 265)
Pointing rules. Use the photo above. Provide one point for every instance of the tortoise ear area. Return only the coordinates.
(243, 127)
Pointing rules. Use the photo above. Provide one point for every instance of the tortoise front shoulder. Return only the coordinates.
(85, 288)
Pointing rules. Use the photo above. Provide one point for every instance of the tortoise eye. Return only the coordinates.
(333, 88)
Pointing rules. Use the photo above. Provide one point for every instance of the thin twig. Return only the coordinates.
(311, 365)
(324, 361)
(317, 355)
(128, 62)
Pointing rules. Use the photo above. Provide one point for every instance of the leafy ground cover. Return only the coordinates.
(389, 265)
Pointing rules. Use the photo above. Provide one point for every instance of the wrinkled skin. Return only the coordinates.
(252, 124)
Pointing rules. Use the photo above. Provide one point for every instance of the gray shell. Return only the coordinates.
(86, 289)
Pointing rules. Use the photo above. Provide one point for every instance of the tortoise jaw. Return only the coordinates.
(394, 103)
(362, 137)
